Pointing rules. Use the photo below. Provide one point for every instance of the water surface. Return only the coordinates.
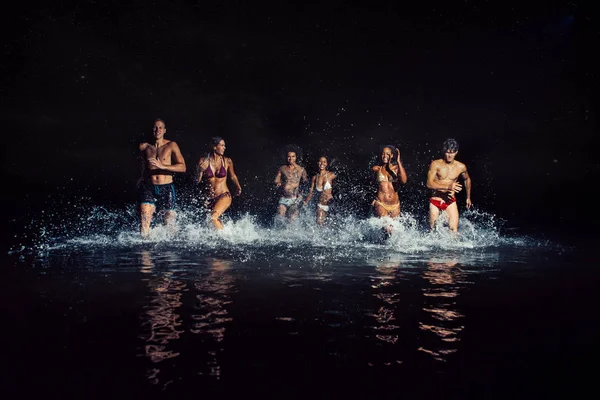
(298, 311)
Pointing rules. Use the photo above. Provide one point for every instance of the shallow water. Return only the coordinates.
(298, 311)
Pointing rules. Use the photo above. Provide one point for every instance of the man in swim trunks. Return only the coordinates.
(160, 159)
(442, 180)
(288, 179)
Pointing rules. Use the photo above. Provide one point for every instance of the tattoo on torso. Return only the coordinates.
(292, 176)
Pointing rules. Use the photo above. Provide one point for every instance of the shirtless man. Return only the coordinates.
(159, 160)
(442, 180)
(288, 178)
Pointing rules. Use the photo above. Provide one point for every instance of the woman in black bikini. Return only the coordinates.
(322, 182)
(215, 168)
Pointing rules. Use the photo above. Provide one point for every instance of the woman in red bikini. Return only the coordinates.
(215, 168)
(388, 175)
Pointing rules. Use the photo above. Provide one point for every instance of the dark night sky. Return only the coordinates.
(513, 82)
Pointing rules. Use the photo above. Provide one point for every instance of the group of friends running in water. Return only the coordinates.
(162, 158)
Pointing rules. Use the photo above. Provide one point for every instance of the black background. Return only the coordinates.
(514, 82)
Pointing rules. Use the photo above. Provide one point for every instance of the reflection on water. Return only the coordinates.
(162, 323)
(387, 327)
(165, 322)
(441, 318)
(210, 315)
(203, 320)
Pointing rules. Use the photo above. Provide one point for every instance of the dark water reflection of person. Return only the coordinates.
(211, 317)
(441, 317)
(386, 328)
(162, 323)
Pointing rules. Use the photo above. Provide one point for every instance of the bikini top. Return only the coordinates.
(383, 178)
(221, 173)
(326, 186)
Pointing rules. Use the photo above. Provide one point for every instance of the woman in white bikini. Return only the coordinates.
(387, 201)
(322, 182)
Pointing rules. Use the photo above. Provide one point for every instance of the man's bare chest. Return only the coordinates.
(161, 153)
(448, 172)
(292, 175)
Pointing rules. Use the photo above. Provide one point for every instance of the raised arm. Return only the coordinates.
(401, 172)
(234, 177)
(467, 181)
(310, 190)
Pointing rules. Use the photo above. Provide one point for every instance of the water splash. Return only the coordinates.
(245, 238)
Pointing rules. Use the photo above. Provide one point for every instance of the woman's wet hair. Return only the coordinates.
(214, 141)
(451, 145)
(389, 146)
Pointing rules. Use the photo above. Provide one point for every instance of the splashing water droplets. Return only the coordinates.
(345, 237)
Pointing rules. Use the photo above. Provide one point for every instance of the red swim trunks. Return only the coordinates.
(441, 204)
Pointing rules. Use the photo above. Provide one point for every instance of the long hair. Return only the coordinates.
(214, 141)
